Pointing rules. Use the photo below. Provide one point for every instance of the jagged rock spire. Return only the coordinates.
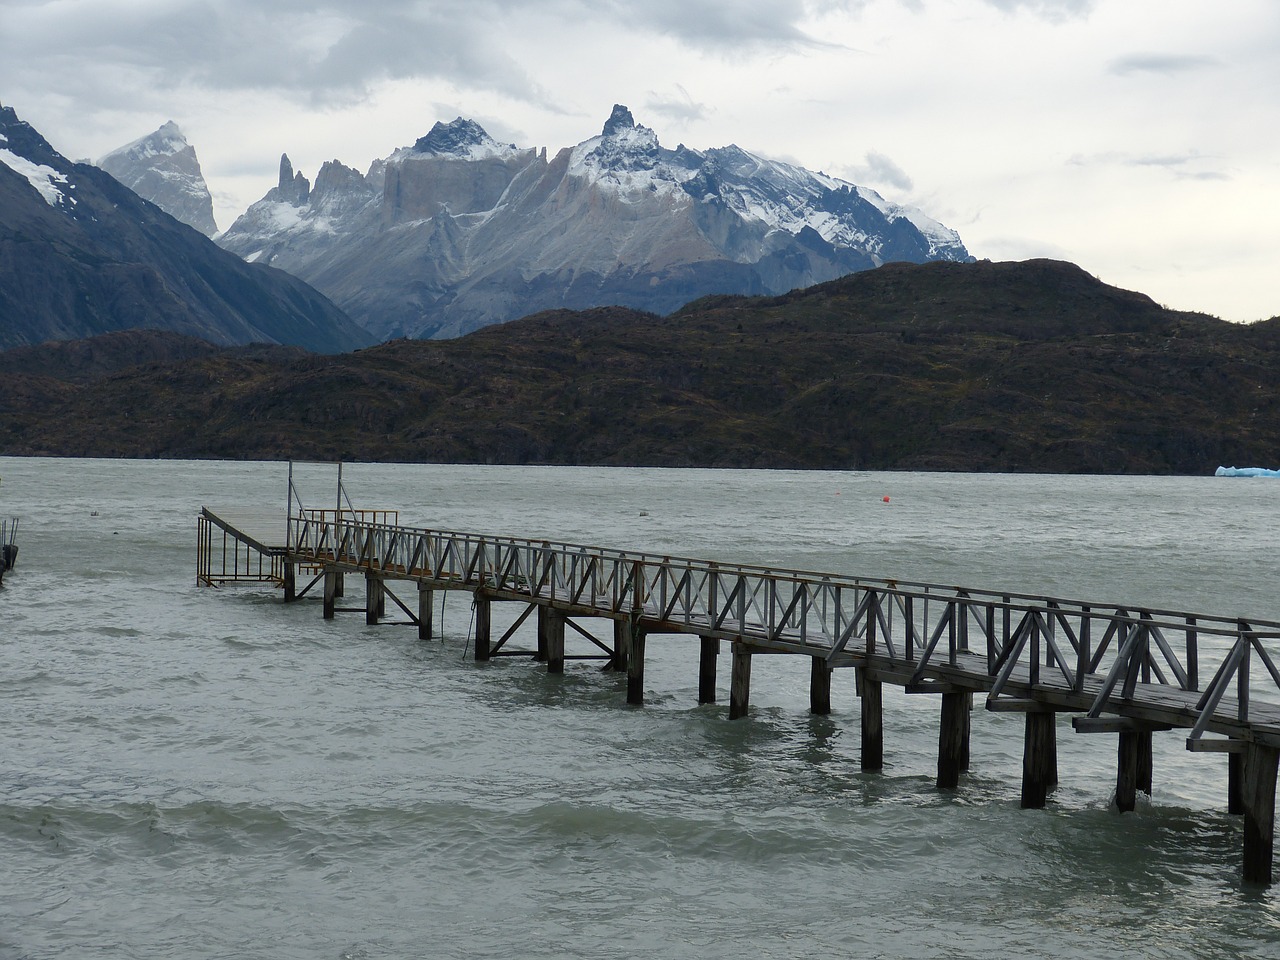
(618, 121)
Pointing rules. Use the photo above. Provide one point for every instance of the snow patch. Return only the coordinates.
(48, 181)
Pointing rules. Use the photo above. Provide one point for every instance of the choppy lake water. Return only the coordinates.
(202, 773)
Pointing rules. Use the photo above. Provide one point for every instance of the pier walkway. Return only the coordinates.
(1128, 671)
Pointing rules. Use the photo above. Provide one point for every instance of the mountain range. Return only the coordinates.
(1032, 366)
(459, 231)
(82, 254)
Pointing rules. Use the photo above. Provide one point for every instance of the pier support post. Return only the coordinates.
(635, 665)
(953, 738)
(707, 663)
(621, 641)
(1128, 763)
(819, 687)
(551, 637)
(1260, 766)
(544, 618)
(1039, 757)
(339, 589)
(1235, 783)
(872, 700)
(740, 681)
(330, 591)
(374, 599)
(426, 610)
(484, 625)
(290, 582)
(1145, 761)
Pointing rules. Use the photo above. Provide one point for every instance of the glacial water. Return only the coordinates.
(196, 773)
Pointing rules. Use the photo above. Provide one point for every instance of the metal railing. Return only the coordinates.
(1090, 656)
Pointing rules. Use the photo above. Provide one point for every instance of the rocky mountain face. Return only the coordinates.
(82, 254)
(460, 231)
(162, 167)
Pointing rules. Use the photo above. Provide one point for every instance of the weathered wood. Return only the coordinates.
(1145, 761)
(544, 617)
(484, 625)
(953, 738)
(340, 585)
(707, 663)
(819, 687)
(621, 642)
(1235, 783)
(374, 605)
(426, 611)
(740, 681)
(330, 592)
(1260, 766)
(290, 582)
(1127, 771)
(1039, 748)
(635, 665)
(551, 630)
(872, 701)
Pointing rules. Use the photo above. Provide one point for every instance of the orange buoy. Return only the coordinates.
(886, 499)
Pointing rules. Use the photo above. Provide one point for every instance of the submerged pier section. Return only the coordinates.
(1126, 671)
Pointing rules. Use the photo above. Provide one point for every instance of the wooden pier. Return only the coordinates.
(1125, 671)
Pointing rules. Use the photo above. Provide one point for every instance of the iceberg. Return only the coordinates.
(1245, 472)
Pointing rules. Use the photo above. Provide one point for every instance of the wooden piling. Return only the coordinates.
(330, 592)
(1127, 762)
(1260, 766)
(1145, 761)
(819, 686)
(707, 663)
(544, 618)
(290, 582)
(484, 625)
(740, 681)
(872, 701)
(953, 738)
(621, 641)
(551, 637)
(1235, 783)
(635, 665)
(1039, 748)
(426, 611)
(374, 603)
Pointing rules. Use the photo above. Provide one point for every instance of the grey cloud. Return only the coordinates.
(1163, 63)
(680, 109)
(1189, 165)
(880, 169)
(1055, 10)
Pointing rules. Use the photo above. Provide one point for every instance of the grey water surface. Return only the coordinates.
(188, 772)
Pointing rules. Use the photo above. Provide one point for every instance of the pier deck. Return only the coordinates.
(1123, 670)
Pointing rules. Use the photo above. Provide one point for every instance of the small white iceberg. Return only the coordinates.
(1245, 472)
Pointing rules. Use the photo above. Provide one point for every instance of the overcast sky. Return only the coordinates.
(1137, 138)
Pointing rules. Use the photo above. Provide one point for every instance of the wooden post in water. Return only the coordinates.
(290, 582)
(551, 631)
(635, 664)
(953, 738)
(330, 591)
(1127, 771)
(1039, 752)
(426, 611)
(1235, 783)
(484, 625)
(621, 640)
(1145, 761)
(1260, 765)
(740, 681)
(374, 604)
(872, 700)
(819, 687)
(339, 588)
(544, 619)
(707, 663)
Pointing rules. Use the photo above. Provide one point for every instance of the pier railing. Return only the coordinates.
(1217, 674)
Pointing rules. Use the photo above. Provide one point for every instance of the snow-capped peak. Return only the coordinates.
(464, 139)
(164, 142)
